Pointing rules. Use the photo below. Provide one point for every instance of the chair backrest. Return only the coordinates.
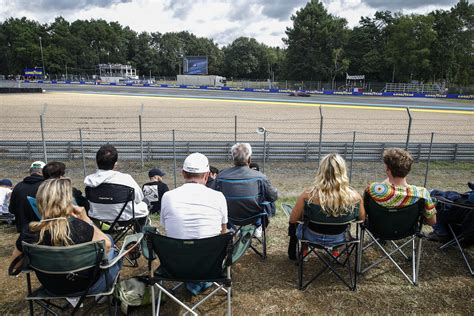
(245, 198)
(393, 223)
(65, 269)
(191, 259)
(111, 194)
(323, 223)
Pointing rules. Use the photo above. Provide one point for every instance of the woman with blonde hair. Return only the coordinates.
(332, 193)
(64, 224)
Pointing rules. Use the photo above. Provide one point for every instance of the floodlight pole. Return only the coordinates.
(42, 57)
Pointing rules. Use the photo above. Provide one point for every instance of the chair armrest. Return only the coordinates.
(134, 239)
(286, 209)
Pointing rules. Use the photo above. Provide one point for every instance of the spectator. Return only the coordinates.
(213, 172)
(241, 155)
(106, 159)
(331, 191)
(194, 211)
(6, 186)
(154, 190)
(64, 224)
(57, 170)
(19, 204)
(395, 190)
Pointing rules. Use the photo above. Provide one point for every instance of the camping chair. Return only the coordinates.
(239, 192)
(74, 269)
(384, 226)
(196, 260)
(334, 257)
(109, 194)
(457, 237)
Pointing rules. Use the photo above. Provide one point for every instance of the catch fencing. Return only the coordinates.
(144, 139)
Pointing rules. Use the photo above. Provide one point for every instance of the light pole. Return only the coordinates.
(42, 58)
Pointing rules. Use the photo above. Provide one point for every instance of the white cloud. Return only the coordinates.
(223, 20)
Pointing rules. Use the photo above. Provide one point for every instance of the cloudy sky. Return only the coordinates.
(222, 20)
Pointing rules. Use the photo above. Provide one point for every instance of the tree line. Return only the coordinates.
(388, 47)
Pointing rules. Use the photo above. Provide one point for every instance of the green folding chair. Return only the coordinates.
(346, 257)
(392, 230)
(67, 273)
(195, 260)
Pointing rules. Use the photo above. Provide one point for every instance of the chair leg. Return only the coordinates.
(28, 285)
(264, 241)
(462, 250)
(418, 260)
(159, 300)
(300, 265)
(359, 250)
(229, 293)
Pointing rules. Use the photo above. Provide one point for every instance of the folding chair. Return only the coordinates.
(195, 260)
(457, 237)
(110, 194)
(239, 192)
(72, 269)
(332, 261)
(385, 226)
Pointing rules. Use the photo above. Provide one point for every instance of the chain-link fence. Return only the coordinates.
(146, 140)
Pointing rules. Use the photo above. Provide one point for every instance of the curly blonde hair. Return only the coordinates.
(54, 199)
(331, 187)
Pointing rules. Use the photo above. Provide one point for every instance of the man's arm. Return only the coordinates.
(271, 193)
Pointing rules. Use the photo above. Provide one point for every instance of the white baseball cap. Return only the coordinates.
(196, 163)
(37, 165)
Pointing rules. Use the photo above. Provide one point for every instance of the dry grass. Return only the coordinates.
(267, 287)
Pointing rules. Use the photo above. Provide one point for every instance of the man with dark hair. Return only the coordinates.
(106, 159)
(19, 204)
(213, 172)
(395, 191)
(241, 155)
(54, 169)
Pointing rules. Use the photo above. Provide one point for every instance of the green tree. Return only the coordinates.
(312, 40)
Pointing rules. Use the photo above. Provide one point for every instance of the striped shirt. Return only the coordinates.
(389, 195)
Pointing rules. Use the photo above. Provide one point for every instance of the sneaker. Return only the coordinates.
(258, 232)
(433, 236)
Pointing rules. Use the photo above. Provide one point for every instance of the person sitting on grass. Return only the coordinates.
(395, 192)
(332, 193)
(64, 224)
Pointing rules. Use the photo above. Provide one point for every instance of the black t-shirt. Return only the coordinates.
(80, 232)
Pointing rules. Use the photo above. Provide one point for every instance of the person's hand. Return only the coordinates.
(80, 213)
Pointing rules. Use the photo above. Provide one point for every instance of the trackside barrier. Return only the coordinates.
(314, 92)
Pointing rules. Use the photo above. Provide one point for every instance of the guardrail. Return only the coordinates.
(219, 150)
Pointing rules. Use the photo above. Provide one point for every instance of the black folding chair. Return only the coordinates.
(239, 193)
(68, 273)
(458, 237)
(192, 260)
(385, 226)
(113, 194)
(341, 255)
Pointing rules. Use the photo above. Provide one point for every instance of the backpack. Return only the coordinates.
(133, 292)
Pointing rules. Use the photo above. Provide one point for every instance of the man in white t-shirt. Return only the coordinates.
(193, 211)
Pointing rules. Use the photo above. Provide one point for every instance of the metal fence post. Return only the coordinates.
(352, 155)
(141, 136)
(409, 128)
(82, 153)
(320, 133)
(429, 160)
(174, 157)
(235, 129)
(264, 150)
(45, 155)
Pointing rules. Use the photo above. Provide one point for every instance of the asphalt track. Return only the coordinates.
(417, 104)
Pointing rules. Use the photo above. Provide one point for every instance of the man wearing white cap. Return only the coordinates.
(19, 205)
(194, 211)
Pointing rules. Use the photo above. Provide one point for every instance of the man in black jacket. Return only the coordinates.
(19, 204)
(154, 190)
